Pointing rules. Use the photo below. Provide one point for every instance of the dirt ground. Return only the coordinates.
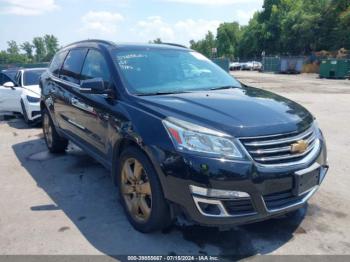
(66, 204)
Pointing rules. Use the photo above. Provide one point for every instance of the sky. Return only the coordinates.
(177, 21)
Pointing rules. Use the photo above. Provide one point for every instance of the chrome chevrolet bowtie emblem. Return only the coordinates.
(299, 147)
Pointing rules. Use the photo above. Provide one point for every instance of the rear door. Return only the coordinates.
(69, 115)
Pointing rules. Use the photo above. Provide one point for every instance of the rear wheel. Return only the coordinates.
(141, 193)
(55, 143)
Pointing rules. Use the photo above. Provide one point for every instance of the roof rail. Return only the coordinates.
(92, 40)
(173, 44)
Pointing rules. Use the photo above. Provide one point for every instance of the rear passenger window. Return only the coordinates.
(72, 65)
(56, 63)
(95, 66)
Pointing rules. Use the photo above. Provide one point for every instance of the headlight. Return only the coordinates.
(33, 99)
(188, 137)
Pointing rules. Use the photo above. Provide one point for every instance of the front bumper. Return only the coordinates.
(33, 111)
(270, 189)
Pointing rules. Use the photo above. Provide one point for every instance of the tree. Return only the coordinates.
(27, 47)
(13, 48)
(51, 46)
(204, 46)
(40, 49)
(156, 41)
(250, 44)
(227, 38)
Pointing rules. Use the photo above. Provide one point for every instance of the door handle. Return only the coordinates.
(76, 102)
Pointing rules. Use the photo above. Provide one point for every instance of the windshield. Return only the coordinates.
(152, 71)
(31, 77)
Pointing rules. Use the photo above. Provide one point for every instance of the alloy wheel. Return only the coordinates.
(47, 130)
(136, 190)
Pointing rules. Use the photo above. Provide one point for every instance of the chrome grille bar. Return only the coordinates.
(276, 149)
(279, 149)
(270, 141)
(289, 156)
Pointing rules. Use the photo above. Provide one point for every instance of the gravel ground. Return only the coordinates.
(67, 205)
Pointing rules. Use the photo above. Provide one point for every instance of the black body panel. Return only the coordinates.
(102, 124)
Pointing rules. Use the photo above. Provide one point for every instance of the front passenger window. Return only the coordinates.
(72, 66)
(95, 66)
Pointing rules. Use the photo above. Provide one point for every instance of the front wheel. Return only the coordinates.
(141, 192)
(25, 114)
(55, 143)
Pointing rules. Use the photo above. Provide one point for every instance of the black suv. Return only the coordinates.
(181, 137)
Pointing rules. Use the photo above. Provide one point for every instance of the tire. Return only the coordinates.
(24, 113)
(159, 214)
(55, 143)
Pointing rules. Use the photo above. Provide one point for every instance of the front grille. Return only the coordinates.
(282, 200)
(239, 206)
(276, 149)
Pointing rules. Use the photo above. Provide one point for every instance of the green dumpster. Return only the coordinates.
(271, 64)
(335, 68)
(224, 63)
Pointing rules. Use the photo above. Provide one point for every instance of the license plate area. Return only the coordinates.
(306, 179)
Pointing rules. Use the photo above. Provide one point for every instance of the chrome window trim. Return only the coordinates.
(65, 82)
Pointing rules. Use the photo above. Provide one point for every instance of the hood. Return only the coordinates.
(244, 111)
(34, 89)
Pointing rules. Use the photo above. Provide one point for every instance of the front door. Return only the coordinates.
(95, 107)
(10, 98)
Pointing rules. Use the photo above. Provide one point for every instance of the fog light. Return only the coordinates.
(209, 192)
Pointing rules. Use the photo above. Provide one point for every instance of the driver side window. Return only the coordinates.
(95, 66)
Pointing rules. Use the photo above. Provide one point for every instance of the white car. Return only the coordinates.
(23, 96)
(252, 65)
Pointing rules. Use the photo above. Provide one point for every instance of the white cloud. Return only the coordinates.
(27, 7)
(101, 23)
(180, 32)
(214, 2)
(196, 29)
(243, 17)
(154, 27)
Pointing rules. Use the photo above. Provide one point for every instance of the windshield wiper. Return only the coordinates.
(223, 87)
(161, 93)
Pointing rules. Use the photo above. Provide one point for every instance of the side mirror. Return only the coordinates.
(9, 85)
(93, 86)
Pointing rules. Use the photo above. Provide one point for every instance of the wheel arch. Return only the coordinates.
(126, 142)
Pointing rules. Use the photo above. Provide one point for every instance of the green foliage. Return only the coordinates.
(41, 49)
(206, 45)
(51, 46)
(27, 47)
(228, 35)
(13, 48)
(287, 27)
(156, 41)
